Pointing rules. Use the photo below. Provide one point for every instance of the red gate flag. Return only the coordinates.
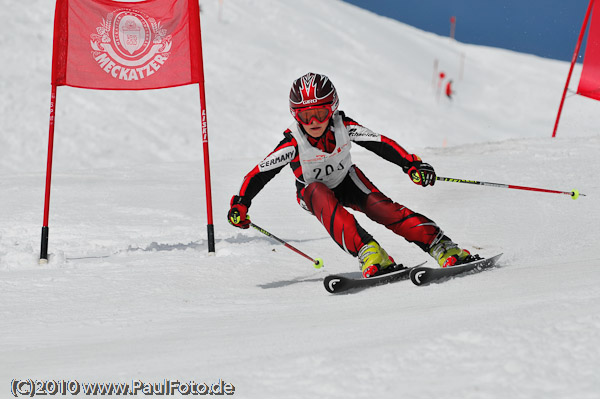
(103, 44)
(573, 60)
(589, 83)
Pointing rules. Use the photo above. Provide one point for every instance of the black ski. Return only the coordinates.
(425, 275)
(337, 284)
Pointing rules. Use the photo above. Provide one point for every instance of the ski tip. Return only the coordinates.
(332, 283)
(416, 275)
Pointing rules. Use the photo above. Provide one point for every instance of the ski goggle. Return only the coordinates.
(320, 113)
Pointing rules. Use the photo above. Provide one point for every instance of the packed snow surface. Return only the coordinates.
(131, 294)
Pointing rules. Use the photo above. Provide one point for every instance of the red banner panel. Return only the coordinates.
(589, 84)
(103, 44)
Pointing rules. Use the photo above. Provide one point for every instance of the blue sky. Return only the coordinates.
(548, 28)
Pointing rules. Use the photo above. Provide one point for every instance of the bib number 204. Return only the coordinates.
(321, 173)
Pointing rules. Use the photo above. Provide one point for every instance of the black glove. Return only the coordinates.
(238, 214)
(421, 173)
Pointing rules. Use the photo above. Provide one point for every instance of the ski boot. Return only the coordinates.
(447, 253)
(373, 259)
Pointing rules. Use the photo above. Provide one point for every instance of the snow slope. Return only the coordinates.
(130, 292)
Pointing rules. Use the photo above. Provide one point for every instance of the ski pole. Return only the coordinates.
(574, 194)
(317, 263)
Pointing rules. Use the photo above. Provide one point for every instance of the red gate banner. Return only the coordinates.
(110, 45)
(589, 83)
(103, 44)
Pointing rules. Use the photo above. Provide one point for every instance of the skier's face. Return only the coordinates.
(316, 129)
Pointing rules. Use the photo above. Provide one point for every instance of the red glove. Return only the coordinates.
(421, 173)
(238, 214)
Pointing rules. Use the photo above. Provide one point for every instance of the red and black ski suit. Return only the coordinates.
(326, 190)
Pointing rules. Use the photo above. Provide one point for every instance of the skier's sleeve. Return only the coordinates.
(381, 145)
(266, 170)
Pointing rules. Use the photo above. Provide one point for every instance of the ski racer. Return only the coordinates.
(317, 147)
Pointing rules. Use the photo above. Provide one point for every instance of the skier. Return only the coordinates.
(317, 147)
(449, 91)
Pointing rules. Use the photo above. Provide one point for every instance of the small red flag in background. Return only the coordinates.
(589, 83)
(102, 44)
